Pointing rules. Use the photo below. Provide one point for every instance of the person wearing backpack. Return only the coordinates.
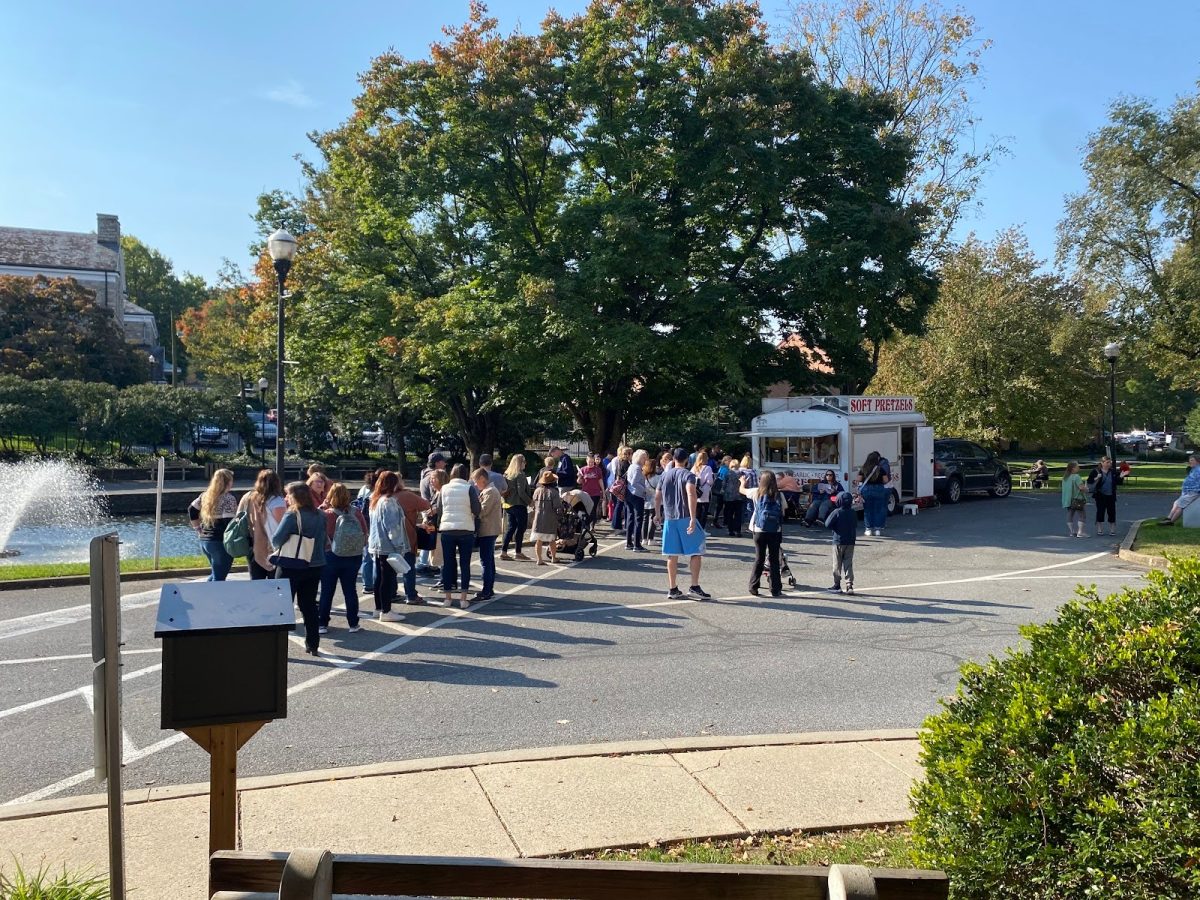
(766, 524)
(265, 506)
(346, 531)
(732, 488)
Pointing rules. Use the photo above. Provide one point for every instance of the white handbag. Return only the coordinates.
(297, 550)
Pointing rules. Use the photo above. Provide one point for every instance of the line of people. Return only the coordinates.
(319, 537)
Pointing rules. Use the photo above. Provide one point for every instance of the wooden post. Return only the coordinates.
(222, 743)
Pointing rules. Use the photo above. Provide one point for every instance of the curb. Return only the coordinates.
(41, 808)
(31, 584)
(1141, 559)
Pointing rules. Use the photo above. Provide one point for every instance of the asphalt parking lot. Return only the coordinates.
(586, 653)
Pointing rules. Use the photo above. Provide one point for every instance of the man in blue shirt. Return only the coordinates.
(675, 507)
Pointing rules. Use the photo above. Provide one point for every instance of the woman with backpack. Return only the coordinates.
(299, 542)
(733, 499)
(516, 506)
(265, 506)
(766, 524)
(386, 536)
(346, 531)
(210, 514)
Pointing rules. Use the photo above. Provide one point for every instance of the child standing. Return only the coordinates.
(843, 522)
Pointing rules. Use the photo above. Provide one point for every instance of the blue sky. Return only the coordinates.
(175, 116)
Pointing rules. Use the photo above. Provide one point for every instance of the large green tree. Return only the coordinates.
(1135, 231)
(152, 284)
(618, 215)
(1008, 354)
(53, 328)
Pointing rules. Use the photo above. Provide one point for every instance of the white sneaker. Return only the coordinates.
(354, 629)
(322, 630)
(364, 614)
(391, 617)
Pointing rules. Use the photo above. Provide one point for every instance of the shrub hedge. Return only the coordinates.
(1071, 767)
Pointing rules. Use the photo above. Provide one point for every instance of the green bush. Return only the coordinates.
(42, 885)
(1071, 767)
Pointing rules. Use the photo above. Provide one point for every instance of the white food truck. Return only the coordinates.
(809, 435)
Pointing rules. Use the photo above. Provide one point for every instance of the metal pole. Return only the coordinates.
(262, 399)
(279, 418)
(1112, 386)
(174, 368)
(162, 472)
(106, 685)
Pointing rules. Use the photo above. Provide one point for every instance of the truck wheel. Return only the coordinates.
(893, 503)
(954, 490)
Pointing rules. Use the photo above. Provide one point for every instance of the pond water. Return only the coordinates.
(46, 543)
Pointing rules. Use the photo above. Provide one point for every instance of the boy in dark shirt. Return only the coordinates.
(843, 522)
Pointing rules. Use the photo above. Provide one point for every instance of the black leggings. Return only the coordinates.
(304, 584)
(1106, 503)
(766, 547)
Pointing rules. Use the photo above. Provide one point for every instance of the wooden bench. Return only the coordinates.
(320, 875)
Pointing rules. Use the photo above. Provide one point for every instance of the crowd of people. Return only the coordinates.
(323, 538)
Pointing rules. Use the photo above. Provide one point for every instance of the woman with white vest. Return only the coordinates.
(457, 508)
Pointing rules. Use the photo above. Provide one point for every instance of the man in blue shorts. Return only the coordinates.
(675, 506)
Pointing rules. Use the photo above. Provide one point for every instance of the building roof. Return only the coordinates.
(36, 248)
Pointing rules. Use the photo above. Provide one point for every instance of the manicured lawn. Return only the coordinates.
(1167, 540)
(889, 847)
(1151, 476)
(23, 571)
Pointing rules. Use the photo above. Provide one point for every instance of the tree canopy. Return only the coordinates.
(53, 328)
(617, 217)
(1008, 353)
(1135, 232)
(152, 284)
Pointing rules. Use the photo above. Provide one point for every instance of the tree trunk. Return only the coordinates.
(602, 428)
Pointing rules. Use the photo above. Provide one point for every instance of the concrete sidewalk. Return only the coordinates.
(508, 804)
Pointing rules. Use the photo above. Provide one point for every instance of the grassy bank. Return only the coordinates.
(24, 571)
(1167, 540)
(889, 847)
(1149, 476)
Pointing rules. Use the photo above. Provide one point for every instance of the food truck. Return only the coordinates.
(809, 435)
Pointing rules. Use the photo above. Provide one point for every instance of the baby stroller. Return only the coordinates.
(575, 533)
(785, 571)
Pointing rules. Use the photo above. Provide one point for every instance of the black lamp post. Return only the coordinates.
(1111, 351)
(282, 247)
(263, 384)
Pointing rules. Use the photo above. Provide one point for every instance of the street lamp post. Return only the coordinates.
(263, 384)
(175, 333)
(1111, 351)
(282, 247)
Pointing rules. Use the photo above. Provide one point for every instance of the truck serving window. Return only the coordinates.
(801, 450)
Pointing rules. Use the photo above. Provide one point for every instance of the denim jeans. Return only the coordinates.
(220, 561)
(487, 562)
(618, 514)
(339, 570)
(518, 521)
(368, 572)
(635, 511)
(457, 545)
(875, 505)
(410, 577)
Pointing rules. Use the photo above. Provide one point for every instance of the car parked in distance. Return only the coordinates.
(265, 435)
(962, 466)
(212, 436)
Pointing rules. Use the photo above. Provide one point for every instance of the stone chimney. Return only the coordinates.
(108, 230)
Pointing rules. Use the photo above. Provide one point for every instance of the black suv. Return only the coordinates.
(961, 466)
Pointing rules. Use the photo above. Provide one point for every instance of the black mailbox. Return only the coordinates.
(224, 652)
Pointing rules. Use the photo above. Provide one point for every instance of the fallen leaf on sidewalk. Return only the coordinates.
(564, 721)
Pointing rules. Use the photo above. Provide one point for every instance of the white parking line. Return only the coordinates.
(998, 576)
(40, 659)
(342, 664)
(46, 701)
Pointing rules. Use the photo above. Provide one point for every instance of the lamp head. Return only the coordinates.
(263, 384)
(1113, 349)
(281, 245)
